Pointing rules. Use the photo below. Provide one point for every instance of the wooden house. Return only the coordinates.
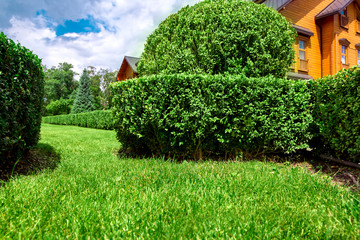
(128, 69)
(328, 34)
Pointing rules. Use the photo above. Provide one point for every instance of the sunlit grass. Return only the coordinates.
(93, 193)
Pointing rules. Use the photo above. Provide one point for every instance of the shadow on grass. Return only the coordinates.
(340, 174)
(42, 156)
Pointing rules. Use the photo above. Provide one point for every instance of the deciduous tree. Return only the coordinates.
(60, 82)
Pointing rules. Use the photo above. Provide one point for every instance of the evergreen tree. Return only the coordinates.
(84, 101)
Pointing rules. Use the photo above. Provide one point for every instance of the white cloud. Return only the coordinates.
(124, 29)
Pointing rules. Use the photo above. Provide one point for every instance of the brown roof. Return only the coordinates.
(128, 61)
(133, 62)
(276, 4)
(303, 31)
(335, 7)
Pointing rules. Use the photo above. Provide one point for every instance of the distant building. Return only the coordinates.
(128, 69)
(328, 34)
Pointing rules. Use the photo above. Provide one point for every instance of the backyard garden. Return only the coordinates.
(212, 141)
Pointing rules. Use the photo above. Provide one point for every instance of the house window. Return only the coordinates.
(302, 51)
(343, 54)
(344, 20)
(344, 12)
(358, 57)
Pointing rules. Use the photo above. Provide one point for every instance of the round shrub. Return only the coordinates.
(216, 36)
(21, 98)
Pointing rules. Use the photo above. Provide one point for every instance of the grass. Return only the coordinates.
(95, 194)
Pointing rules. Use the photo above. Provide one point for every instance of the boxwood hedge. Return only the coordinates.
(337, 114)
(95, 119)
(189, 115)
(21, 98)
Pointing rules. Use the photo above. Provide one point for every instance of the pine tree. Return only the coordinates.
(84, 101)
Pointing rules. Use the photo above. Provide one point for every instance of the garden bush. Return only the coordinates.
(337, 114)
(95, 119)
(189, 115)
(21, 98)
(216, 36)
(58, 107)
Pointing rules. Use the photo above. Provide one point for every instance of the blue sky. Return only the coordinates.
(95, 33)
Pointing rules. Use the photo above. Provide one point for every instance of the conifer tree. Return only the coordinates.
(84, 101)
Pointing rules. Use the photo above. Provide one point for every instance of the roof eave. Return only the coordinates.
(284, 5)
(122, 68)
(327, 15)
(134, 70)
(334, 12)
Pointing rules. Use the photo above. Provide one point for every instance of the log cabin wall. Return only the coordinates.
(321, 53)
(350, 32)
(327, 27)
(129, 74)
(302, 13)
(128, 69)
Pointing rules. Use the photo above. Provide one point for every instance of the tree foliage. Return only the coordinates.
(84, 101)
(99, 85)
(217, 36)
(61, 106)
(107, 77)
(60, 82)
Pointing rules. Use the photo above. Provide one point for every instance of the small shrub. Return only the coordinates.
(21, 98)
(95, 119)
(58, 107)
(337, 113)
(216, 36)
(185, 115)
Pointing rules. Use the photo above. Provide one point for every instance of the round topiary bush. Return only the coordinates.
(219, 36)
(21, 98)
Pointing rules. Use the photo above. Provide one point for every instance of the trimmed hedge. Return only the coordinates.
(337, 114)
(21, 98)
(187, 115)
(95, 119)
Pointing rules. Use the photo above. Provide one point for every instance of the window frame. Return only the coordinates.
(344, 54)
(343, 16)
(302, 49)
(306, 42)
(344, 12)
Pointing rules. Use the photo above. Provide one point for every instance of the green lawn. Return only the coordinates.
(92, 193)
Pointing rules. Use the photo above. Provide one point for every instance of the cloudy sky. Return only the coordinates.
(84, 32)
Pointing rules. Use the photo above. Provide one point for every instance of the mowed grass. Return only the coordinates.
(94, 194)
